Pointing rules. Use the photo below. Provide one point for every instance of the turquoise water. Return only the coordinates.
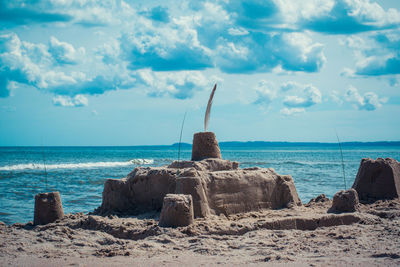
(78, 173)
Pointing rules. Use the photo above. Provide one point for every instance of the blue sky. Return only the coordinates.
(85, 72)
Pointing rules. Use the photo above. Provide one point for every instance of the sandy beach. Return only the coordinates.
(292, 237)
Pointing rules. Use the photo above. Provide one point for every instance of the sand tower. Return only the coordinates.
(378, 179)
(205, 144)
(48, 208)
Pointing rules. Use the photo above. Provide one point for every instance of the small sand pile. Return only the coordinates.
(345, 201)
(177, 211)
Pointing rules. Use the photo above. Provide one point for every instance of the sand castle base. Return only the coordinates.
(216, 186)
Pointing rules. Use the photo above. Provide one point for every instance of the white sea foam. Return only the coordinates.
(142, 161)
(101, 164)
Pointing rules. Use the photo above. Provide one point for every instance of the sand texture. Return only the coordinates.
(301, 235)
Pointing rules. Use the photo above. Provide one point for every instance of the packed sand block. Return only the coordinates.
(217, 187)
(48, 208)
(205, 145)
(345, 201)
(378, 179)
(177, 211)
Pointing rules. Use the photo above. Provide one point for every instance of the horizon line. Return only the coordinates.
(222, 142)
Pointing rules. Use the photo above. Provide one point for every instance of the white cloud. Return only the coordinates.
(266, 93)
(376, 54)
(167, 47)
(294, 11)
(336, 97)
(16, 65)
(181, 85)
(288, 86)
(232, 36)
(86, 13)
(337, 16)
(292, 111)
(301, 96)
(370, 101)
(237, 31)
(67, 101)
(373, 13)
(301, 53)
(109, 52)
(65, 53)
(311, 96)
(20, 64)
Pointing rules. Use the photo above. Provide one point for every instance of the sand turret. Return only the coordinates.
(378, 179)
(205, 145)
(48, 208)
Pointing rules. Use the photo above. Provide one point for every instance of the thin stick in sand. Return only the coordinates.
(341, 154)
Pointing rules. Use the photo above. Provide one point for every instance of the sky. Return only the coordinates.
(86, 72)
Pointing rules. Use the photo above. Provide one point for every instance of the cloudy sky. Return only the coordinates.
(86, 72)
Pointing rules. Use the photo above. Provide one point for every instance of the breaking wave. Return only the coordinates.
(86, 165)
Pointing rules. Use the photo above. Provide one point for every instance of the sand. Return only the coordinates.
(298, 236)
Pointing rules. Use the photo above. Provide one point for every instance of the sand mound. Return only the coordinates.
(177, 211)
(319, 199)
(217, 187)
(48, 208)
(345, 201)
(378, 179)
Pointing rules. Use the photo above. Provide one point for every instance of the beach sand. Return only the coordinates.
(298, 236)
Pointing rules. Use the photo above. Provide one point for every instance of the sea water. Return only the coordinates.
(79, 173)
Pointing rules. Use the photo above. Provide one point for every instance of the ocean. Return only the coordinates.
(79, 173)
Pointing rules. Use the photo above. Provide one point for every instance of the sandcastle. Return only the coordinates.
(217, 186)
(208, 184)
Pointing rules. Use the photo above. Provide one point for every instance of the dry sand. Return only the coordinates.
(305, 235)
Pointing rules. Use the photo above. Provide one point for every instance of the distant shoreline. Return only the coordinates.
(297, 144)
(249, 144)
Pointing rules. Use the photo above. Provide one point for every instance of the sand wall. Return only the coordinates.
(217, 187)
